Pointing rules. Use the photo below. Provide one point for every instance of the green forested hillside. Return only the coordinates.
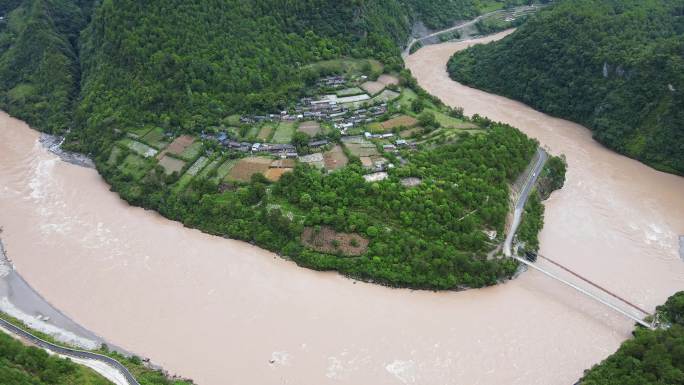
(135, 80)
(616, 66)
(183, 63)
(652, 357)
(188, 64)
(39, 69)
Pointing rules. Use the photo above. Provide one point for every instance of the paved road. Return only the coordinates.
(467, 24)
(541, 156)
(70, 352)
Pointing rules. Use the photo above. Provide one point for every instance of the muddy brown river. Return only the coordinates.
(224, 312)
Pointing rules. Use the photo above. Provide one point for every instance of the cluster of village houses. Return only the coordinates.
(343, 112)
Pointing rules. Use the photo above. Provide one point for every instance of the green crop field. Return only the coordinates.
(284, 133)
(134, 166)
(155, 138)
(192, 151)
(348, 66)
(224, 169)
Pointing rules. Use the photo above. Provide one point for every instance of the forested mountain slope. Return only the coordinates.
(39, 69)
(196, 109)
(616, 66)
(651, 357)
(185, 63)
(189, 64)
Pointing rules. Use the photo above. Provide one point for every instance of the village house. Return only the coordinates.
(318, 143)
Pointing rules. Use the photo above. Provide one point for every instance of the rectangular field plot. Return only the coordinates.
(178, 145)
(134, 166)
(349, 91)
(265, 132)
(399, 121)
(362, 149)
(310, 128)
(139, 148)
(252, 131)
(171, 165)
(373, 88)
(284, 132)
(183, 182)
(223, 170)
(139, 132)
(156, 138)
(407, 97)
(335, 159)
(386, 96)
(448, 121)
(198, 165)
(192, 151)
(274, 174)
(213, 165)
(348, 66)
(246, 167)
(388, 80)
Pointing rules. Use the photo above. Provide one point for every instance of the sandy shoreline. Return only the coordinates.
(19, 300)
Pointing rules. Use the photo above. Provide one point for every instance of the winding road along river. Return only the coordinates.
(224, 312)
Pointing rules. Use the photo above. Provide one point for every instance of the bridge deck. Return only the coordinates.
(587, 293)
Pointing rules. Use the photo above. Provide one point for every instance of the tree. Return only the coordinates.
(417, 105)
(428, 120)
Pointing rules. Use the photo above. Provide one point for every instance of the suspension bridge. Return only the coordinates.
(580, 284)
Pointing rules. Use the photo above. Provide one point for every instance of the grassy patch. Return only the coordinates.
(224, 169)
(445, 120)
(183, 182)
(114, 155)
(347, 66)
(139, 132)
(155, 138)
(171, 165)
(198, 166)
(407, 96)
(284, 132)
(210, 168)
(139, 148)
(232, 120)
(266, 132)
(385, 96)
(21, 92)
(135, 166)
(252, 132)
(192, 151)
(486, 6)
(349, 92)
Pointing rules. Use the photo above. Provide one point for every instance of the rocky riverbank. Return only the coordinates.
(53, 144)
